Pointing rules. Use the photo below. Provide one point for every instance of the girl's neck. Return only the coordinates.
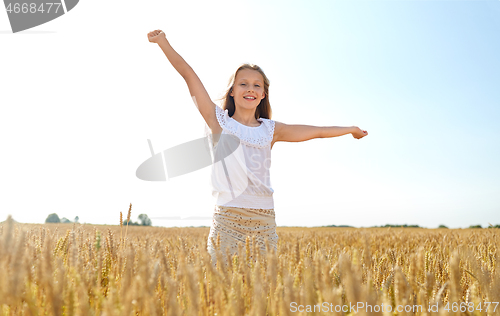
(246, 117)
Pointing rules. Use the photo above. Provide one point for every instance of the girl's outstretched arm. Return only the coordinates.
(198, 93)
(299, 133)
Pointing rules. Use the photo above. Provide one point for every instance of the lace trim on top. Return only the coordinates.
(248, 135)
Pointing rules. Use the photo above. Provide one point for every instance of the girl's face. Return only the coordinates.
(248, 88)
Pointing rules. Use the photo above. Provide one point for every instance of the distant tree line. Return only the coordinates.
(54, 218)
(388, 225)
(413, 226)
(474, 226)
(479, 226)
(404, 226)
(144, 220)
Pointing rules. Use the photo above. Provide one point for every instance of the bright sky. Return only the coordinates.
(82, 94)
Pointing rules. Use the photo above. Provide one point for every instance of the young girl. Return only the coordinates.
(240, 180)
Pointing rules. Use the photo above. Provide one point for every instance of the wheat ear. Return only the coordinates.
(128, 220)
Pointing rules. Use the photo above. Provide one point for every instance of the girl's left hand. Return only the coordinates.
(358, 133)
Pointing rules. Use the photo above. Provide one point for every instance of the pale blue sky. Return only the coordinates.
(82, 94)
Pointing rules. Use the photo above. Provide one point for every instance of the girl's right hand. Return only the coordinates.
(156, 36)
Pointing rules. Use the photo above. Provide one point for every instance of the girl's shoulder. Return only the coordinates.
(270, 126)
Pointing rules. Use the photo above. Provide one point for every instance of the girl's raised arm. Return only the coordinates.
(196, 88)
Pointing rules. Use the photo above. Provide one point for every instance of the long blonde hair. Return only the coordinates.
(263, 109)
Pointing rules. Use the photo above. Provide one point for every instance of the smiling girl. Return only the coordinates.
(241, 182)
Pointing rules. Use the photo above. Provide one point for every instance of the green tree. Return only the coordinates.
(53, 218)
(145, 221)
(475, 226)
(131, 223)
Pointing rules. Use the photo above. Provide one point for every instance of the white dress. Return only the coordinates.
(240, 182)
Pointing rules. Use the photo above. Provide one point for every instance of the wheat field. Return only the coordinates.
(74, 269)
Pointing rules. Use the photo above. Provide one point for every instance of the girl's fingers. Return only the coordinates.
(154, 33)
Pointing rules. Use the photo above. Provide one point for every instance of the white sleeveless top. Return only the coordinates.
(242, 179)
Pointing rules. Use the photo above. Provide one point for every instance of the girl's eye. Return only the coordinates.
(257, 85)
(242, 84)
